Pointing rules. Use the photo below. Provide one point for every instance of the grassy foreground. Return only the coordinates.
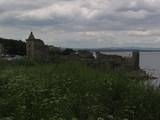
(73, 91)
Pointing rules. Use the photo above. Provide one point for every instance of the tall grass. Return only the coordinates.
(73, 90)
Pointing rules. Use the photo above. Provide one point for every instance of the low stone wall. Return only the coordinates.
(106, 61)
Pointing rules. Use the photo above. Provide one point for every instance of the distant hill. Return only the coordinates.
(13, 47)
(122, 49)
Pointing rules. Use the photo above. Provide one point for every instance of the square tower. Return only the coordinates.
(35, 48)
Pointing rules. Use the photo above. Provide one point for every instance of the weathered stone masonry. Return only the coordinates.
(36, 49)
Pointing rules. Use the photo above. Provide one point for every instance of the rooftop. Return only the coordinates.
(31, 36)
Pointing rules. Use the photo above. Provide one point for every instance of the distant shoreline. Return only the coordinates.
(118, 49)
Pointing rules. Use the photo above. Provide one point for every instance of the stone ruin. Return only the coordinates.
(36, 49)
(117, 61)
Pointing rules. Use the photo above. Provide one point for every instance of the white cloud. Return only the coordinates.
(141, 14)
(155, 32)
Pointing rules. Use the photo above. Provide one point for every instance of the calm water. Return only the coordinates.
(149, 61)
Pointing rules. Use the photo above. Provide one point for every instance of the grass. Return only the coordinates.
(34, 91)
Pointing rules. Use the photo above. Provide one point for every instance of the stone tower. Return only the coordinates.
(135, 58)
(35, 48)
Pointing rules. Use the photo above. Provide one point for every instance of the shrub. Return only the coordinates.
(73, 90)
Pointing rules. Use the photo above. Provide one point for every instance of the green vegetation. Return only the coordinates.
(64, 91)
(13, 47)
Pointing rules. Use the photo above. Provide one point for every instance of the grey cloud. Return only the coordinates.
(98, 18)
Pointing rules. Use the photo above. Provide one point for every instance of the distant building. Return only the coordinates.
(35, 48)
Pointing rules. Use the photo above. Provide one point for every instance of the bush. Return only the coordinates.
(68, 51)
(73, 90)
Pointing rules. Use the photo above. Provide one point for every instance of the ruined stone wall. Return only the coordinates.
(37, 50)
(135, 59)
(133, 62)
(30, 49)
(116, 61)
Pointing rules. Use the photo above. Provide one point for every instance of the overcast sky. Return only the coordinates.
(83, 23)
